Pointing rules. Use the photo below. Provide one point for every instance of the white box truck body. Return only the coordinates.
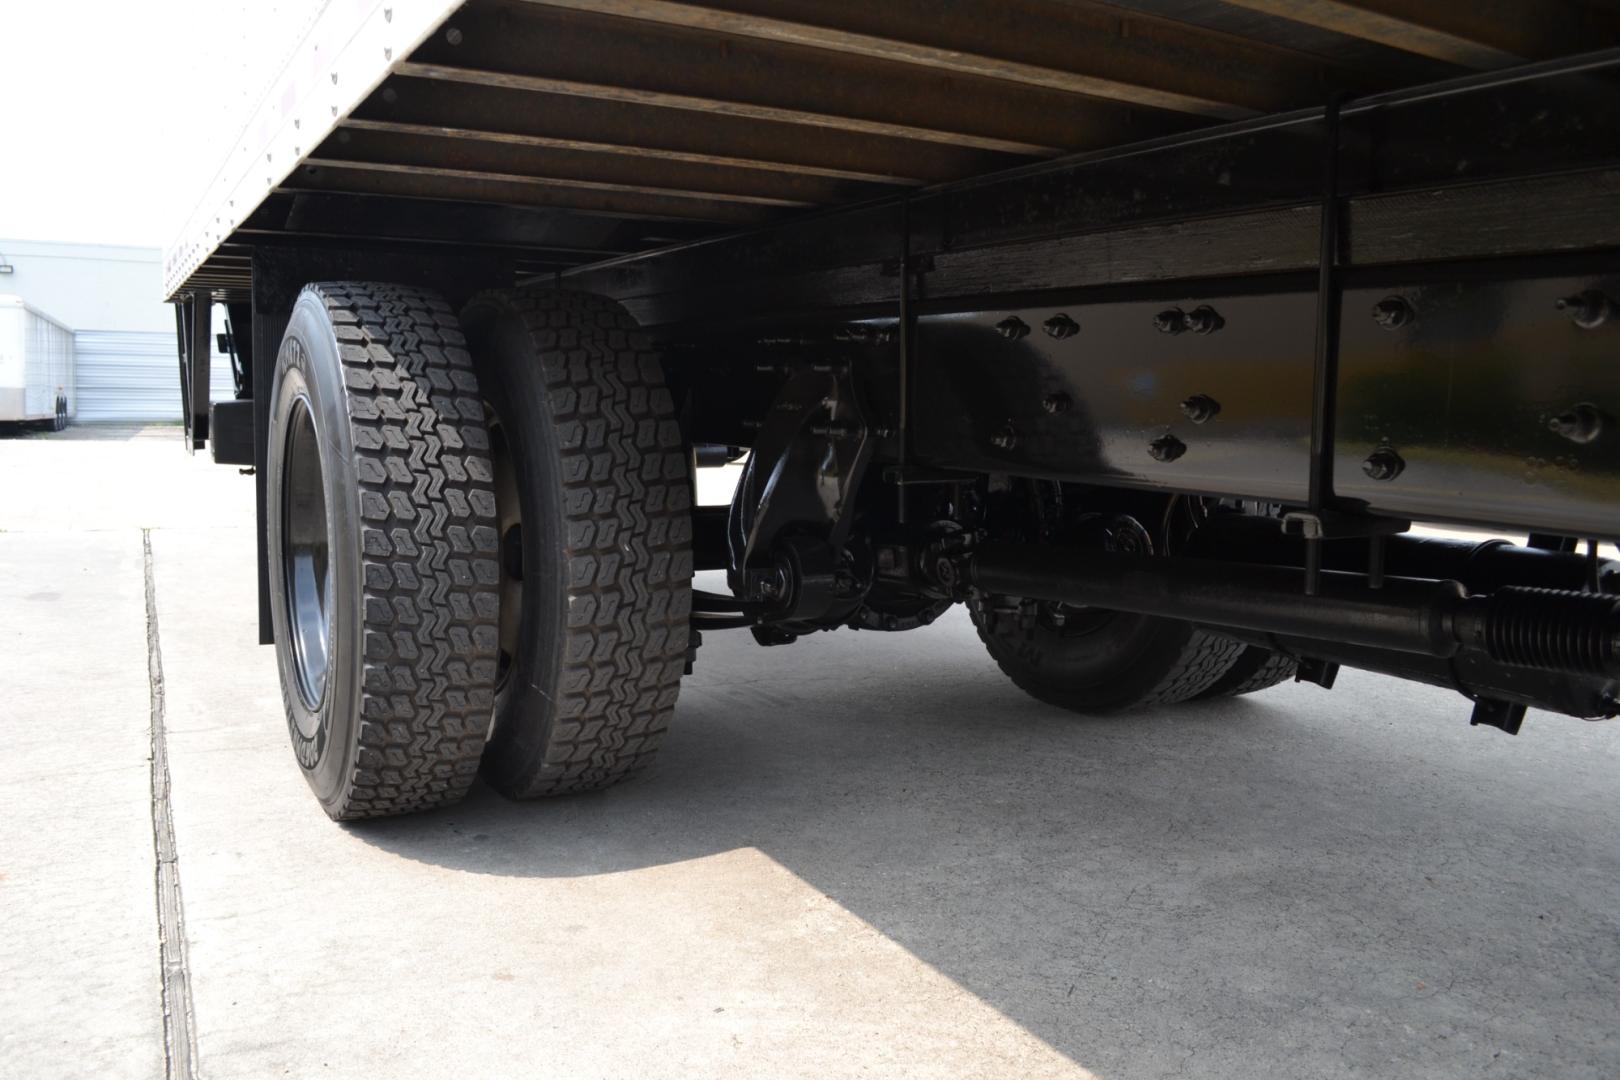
(36, 365)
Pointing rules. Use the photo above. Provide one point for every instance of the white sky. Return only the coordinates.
(114, 114)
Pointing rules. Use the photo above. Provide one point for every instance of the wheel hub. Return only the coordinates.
(306, 559)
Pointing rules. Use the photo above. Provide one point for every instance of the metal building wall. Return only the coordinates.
(89, 286)
(132, 376)
(50, 364)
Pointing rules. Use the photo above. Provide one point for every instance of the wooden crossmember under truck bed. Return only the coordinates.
(1148, 331)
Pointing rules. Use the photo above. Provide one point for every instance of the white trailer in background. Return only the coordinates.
(36, 366)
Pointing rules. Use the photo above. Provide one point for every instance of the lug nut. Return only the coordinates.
(1392, 312)
(1166, 448)
(1383, 464)
(1588, 310)
(1013, 328)
(1582, 424)
(1005, 439)
(1061, 326)
(1200, 408)
(1054, 404)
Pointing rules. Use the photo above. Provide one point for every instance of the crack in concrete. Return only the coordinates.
(179, 1035)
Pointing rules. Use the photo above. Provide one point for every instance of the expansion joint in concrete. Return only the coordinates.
(179, 1035)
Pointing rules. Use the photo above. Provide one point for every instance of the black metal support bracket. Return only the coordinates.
(1314, 526)
(1506, 716)
(905, 345)
(1317, 672)
(794, 505)
(193, 316)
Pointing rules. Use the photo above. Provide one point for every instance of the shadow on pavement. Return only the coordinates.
(1249, 867)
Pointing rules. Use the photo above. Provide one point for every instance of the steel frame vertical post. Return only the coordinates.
(202, 324)
(1326, 377)
(904, 338)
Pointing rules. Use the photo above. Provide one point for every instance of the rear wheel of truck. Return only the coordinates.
(1093, 661)
(594, 504)
(382, 549)
(1255, 669)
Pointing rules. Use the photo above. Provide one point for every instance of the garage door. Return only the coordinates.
(136, 377)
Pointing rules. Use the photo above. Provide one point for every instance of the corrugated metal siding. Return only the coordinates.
(36, 362)
(50, 364)
(136, 376)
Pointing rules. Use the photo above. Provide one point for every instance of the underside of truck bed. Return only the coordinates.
(570, 131)
(1147, 330)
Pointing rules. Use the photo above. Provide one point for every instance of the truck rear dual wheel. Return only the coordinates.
(472, 546)
(382, 549)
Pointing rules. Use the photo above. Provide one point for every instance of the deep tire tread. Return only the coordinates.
(1200, 663)
(627, 528)
(1255, 669)
(428, 543)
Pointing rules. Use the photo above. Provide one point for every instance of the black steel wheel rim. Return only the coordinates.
(305, 555)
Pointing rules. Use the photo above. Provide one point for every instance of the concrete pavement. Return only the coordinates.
(862, 855)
